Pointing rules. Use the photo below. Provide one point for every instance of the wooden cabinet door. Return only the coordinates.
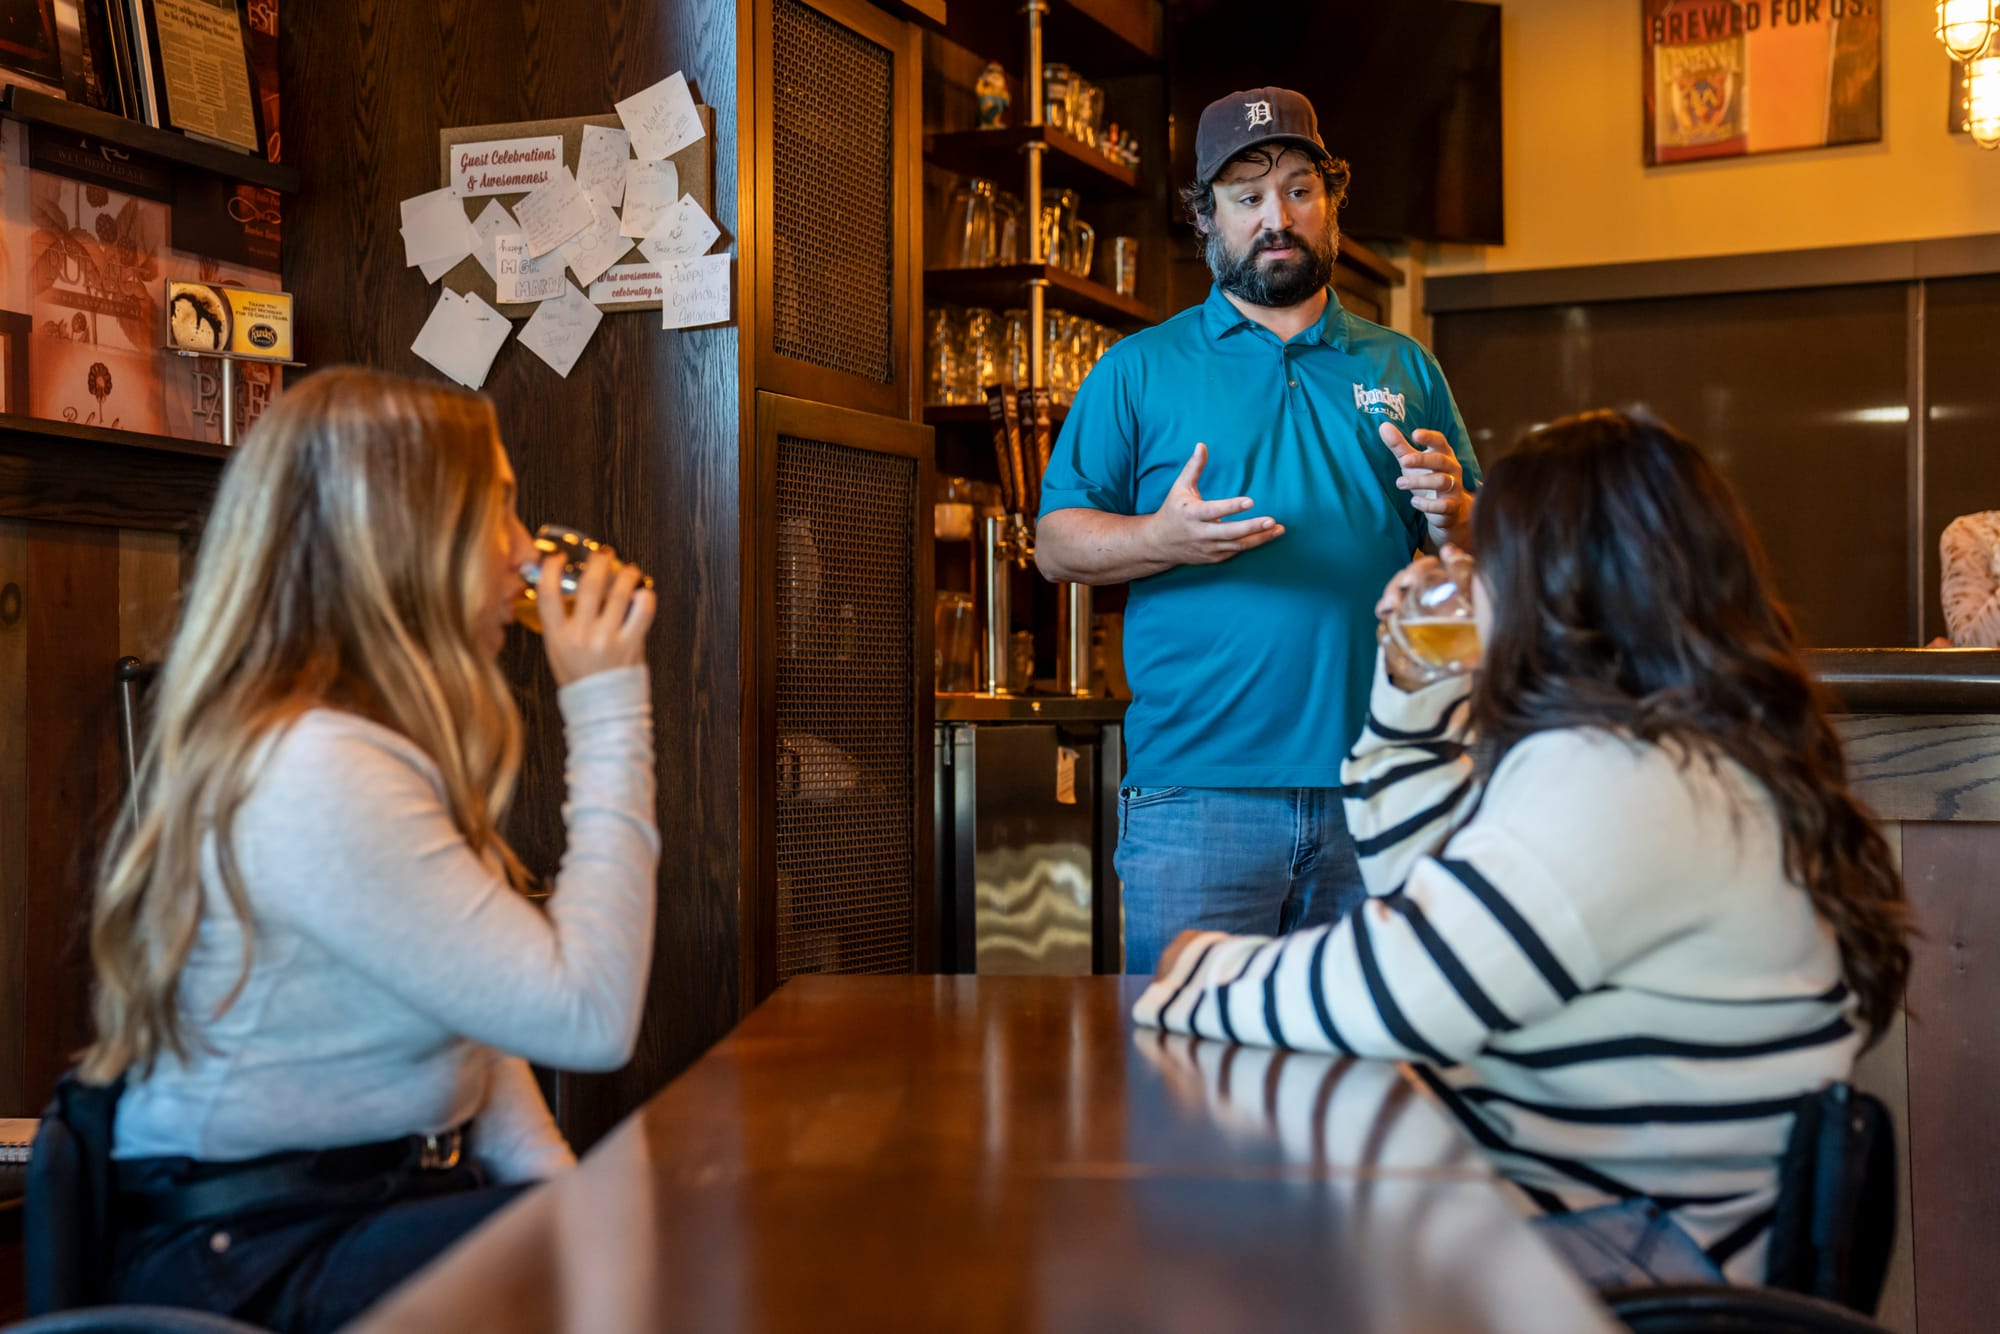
(832, 232)
(838, 862)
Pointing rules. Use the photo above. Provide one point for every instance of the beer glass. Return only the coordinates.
(552, 539)
(1430, 633)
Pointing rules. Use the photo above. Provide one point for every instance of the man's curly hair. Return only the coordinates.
(1199, 198)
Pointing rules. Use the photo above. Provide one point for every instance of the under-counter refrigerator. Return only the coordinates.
(1027, 821)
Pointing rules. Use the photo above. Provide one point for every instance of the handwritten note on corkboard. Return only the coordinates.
(695, 163)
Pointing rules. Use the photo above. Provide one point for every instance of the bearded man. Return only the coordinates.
(1249, 632)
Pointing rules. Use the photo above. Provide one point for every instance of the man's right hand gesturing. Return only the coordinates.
(1187, 530)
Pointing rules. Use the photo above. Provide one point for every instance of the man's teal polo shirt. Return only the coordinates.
(1255, 672)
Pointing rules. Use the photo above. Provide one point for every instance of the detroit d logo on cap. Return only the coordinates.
(1260, 113)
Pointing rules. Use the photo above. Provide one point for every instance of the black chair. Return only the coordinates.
(1831, 1235)
(132, 1320)
(65, 1223)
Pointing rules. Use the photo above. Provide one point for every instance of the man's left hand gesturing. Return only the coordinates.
(1435, 480)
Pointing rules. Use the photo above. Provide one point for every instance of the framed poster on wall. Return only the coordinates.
(1724, 79)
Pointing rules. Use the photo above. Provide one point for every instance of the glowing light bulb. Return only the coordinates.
(1965, 26)
(1982, 100)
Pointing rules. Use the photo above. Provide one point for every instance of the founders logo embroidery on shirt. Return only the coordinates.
(1381, 402)
(1260, 113)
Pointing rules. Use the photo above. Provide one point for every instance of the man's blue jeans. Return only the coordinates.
(1248, 860)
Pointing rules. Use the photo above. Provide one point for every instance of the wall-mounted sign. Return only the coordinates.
(1724, 78)
(229, 321)
(505, 166)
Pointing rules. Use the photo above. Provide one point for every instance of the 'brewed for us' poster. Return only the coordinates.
(1723, 79)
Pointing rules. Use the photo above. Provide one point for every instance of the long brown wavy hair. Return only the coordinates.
(343, 566)
(1629, 592)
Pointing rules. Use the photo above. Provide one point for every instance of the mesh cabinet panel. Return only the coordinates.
(846, 712)
(832, 194)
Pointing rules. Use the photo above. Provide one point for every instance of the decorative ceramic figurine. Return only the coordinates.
(993, 99)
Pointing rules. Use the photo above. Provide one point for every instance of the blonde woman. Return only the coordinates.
(316, 974)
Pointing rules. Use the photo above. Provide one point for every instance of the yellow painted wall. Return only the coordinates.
(1576, 192)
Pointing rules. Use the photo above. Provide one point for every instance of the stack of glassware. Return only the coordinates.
(968, 348)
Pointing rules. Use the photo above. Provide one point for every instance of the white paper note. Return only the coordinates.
(600, 164)
(650, 191)
(697, 292)
(560, 328)
(597, 247)
(494, 220)
(506, 166)
(416, 204)
(519, 278)
(435, 230)
(625, 284)
(461, 337)
(485, 331)
(554, 213)
(434, 269)
(661, 120)
(684, 233)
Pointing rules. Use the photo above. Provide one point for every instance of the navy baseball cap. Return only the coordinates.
(1244, 120)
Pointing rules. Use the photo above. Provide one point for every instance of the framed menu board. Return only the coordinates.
(204, 71)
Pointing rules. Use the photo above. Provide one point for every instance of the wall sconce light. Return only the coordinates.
(1965, 26)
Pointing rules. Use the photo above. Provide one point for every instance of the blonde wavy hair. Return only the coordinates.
(343, 566)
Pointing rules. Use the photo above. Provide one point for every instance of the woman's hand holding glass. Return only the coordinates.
(1430, 627)
(604, 626)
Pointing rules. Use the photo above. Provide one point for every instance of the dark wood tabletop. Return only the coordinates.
(1008, 1154)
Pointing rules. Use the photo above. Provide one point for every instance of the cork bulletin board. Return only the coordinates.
(694, 164)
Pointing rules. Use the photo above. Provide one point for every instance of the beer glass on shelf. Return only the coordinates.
(940, 356)
(1430, 634)
(1058, 95)
(1009, 229)
(968, 226)
(1014, 348)
(981, 354)
(552, 539)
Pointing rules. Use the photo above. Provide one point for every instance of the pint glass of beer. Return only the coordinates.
(1431, 634)
(575, 547)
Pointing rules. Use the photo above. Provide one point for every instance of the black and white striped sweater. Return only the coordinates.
(1605, 973)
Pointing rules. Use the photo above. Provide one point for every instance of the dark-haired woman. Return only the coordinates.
(1625, 912)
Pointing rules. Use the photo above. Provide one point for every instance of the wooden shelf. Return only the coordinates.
(996, 154)
(65, 473)
(1003, 287)
(15, 427)
(975, 414)
(25, 104)
(1096, 38)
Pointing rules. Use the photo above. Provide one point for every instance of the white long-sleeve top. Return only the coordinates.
(1969, 555)
(398, 984)
(1598, 964)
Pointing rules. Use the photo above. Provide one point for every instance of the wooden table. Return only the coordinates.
(1008, 1154)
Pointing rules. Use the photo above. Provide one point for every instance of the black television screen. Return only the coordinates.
(1408, 91)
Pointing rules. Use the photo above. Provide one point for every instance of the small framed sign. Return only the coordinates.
(212, 320)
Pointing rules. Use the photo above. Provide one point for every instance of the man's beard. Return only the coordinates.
(1281, 283)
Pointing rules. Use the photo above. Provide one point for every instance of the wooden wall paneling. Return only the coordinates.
(782, 374)
(1954, 1078)
(14, 1099)
(149, 592)
(1884, 1070)
(70, 612)
(639, 445)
